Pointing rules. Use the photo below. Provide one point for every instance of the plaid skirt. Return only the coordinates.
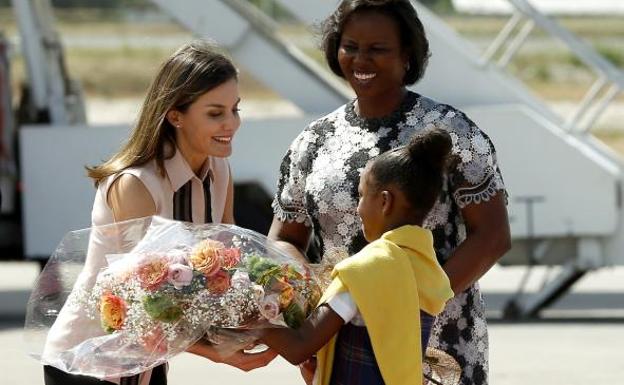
(354, 359)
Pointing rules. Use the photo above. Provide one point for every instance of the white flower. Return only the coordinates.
(411, 120)
(475, 171)
(418, 111)
(461, 232)
(334, 144)
(480, 144)
(323, 207)
(349, 219)
(322, 161)
(240, 279)
(480, 327)
(179, 275)
(453, 308)
(258, 292)
(437, 216)
(269, 306)
(343, 229)
(373, 152)
(406, 134)
(382, 132)
(369, 140)
(466, 156)
(342, 200)
(454, 138)
(353, 137)
(481, 346)
(460, 125)
(431, 116)
(468, 350)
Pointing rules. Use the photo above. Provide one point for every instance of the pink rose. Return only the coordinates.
(218, 283)
(179, 275)
(230, 257)
(270, 306)
(152, 273)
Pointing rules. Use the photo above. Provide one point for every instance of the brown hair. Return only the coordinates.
(190, 72)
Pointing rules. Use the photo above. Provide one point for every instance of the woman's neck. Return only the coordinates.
(378, 107)
(195, 161)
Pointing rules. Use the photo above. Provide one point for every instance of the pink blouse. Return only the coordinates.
(71, 326)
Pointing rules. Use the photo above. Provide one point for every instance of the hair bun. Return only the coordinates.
(432, 147)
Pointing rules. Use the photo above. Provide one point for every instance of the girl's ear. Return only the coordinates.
(387, 202)
(174, 118)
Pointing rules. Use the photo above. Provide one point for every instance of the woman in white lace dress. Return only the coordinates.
(380, 48)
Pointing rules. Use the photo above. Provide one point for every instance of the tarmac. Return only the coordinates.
(577, 341)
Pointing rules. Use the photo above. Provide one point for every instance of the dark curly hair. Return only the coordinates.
(417, 169)
(413, 37)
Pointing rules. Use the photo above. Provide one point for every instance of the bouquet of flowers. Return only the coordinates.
(177, 283)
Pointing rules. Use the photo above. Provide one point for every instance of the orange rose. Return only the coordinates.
(218, 283)
(206, 258)
(112, 312)
(153, 273)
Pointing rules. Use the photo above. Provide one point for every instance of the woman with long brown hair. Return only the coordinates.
(174, 165)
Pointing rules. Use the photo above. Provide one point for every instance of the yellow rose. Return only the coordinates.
(286, 296)
(206, 257)
(112, 312)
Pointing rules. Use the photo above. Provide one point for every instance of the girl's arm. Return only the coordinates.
(298, 345)
(240, 359)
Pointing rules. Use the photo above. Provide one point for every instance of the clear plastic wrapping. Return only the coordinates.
(119, 299)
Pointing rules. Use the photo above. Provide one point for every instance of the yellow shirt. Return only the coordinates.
(391, 280)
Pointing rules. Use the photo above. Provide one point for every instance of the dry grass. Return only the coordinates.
(589, 27)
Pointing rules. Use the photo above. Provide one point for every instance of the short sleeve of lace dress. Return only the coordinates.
(474, 175)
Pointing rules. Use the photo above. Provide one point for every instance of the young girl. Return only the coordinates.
(364, 328)
(174, 165)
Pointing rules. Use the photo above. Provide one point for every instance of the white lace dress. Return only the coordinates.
(318, 187)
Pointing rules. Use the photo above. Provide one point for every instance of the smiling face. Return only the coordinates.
(370, 55)
(207, 126)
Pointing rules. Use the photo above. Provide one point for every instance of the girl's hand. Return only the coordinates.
(240, 359)
(307, 370)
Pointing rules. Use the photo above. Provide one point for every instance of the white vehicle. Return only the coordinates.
(555, 219)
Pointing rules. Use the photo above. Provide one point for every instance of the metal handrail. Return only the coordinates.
(593, 105)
